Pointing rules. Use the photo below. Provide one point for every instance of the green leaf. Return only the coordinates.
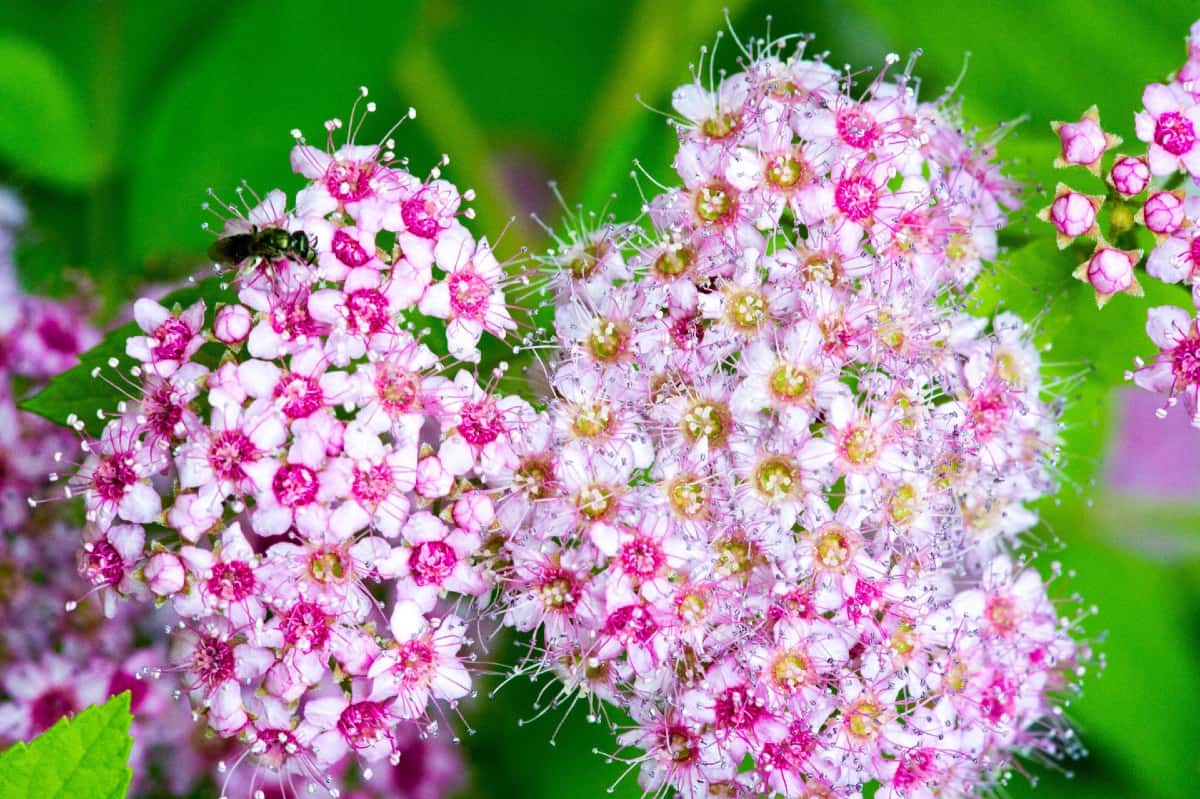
(42, 129)
(77, 392)
(81, 758)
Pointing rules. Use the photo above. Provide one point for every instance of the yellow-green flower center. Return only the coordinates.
(776, 478)
(713, 202)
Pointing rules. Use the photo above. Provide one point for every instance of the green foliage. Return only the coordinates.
(43, 131)
(80, 758)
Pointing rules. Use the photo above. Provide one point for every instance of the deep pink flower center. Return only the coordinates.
(163, 410)
(398, 389)
(793, 751)
(212, 661)
(414, 662)
(281, 744)
(347, 249)
(432, 562)
(998, 700)
(291, 318)
(1174, 133)
(363, 724)
(122, 681)
(641, 558)
(913, 768)
(1194, 252)
(113, 476)
(57, 336)
(294, 485)
(350, 181)
(367, 310)
(1185, 361)
(172, 336)
(855, 197)
(481, 424)
(228, 451)
(632, 623)
(301, 395)
(305, 626)
(989, 411)
(469, 294)
(373, 484)
(232, 581)
(687, 331)
(420, 213)
(50, 707)
(735, 709)
(102, 564)
(857, 128)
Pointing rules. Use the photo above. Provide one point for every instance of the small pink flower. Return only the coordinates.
(1175, 370)
(471, 296)
(1170, 124)
(423, 663)
(170, 341)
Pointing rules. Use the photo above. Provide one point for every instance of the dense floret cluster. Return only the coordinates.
(297, 474)
(773, 505)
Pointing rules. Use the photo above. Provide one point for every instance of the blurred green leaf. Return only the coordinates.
(227, 113)
(42, 122)
(84, 757)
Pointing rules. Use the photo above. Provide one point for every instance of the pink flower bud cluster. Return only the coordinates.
(772, 507)
(297, 474)
(1169, 125)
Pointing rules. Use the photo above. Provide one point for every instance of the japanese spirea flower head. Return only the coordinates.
(772, 505)
(298, 475)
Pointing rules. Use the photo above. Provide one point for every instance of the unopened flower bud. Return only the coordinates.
(1110, 271)
(1129, 175)
(232, 324)
(1163, 213)
(165, 574)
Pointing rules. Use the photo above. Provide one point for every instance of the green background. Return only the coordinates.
(116, 116)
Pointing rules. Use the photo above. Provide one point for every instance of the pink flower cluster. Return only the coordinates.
(297, 474)
(1169, 125)
(772, 505)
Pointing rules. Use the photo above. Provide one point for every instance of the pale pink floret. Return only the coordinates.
(435, 559)
(1175, 371)
(424, 662)
(1170, 125)
(470, 298)
(170, 339)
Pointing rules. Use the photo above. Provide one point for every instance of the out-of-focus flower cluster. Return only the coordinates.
(296, 473)
(54, 663)
(1145, 202)
(773, 506)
